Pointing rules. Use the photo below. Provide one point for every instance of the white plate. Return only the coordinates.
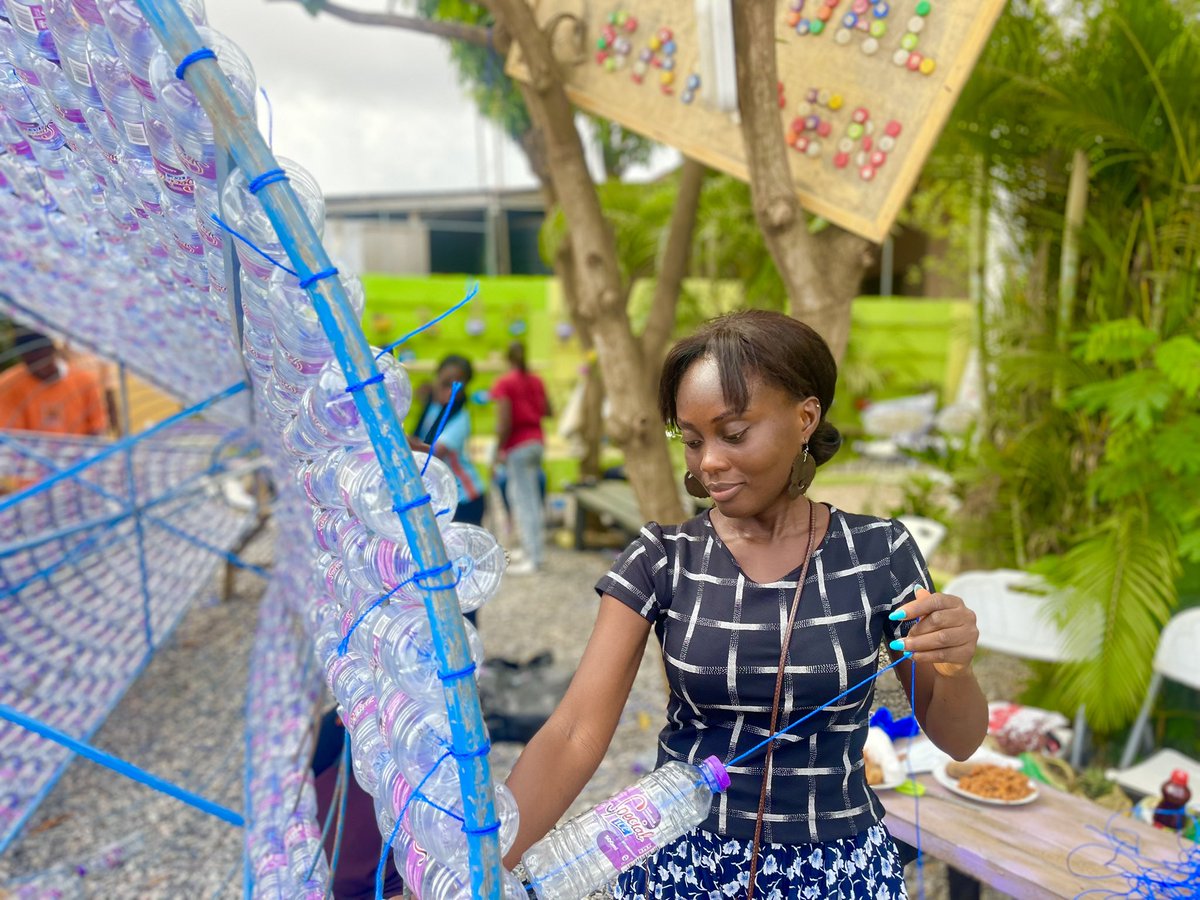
(889, 785)
(951, 784)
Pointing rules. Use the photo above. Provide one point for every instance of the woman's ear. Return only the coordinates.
(809, 412)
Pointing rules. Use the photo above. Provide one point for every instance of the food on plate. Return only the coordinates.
(956, 769)
(995, 782)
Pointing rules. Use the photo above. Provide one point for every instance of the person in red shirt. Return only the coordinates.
(521, 404)
(44, 393)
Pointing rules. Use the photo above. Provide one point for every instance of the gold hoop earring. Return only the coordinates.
(692, 485)
(804, 470)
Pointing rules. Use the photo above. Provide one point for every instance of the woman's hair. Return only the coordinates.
(462, 363)
(460, 400)
(757, 343)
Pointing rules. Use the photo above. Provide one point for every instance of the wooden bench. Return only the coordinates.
(615, 504)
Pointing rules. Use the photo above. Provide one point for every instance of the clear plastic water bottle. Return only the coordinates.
(177, 102)
(29, 20)
(136, 42)
(70, 37)
(443, 837)
(302, 841)
(401, 641)
(121, 99)
(438, 882)
(590, 850)
(363, 490)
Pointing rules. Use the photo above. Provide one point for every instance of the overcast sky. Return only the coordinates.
(366, 109)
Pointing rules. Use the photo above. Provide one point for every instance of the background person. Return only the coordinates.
(749, 394)
(521, 404)
(45, 393)
(451, 445)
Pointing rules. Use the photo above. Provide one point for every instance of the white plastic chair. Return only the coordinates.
(1177, 658)
(928, 533)
(1019, 623)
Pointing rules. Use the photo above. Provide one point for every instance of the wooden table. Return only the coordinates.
(1021, 850)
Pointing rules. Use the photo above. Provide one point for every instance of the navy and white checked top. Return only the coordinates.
(720, 637)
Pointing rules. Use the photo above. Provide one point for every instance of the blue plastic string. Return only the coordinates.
(358, 386)
(387, 847)
(317, 276)
(224, 226)
(471, 294)
(850, 690)
(194, 56)
(483, 750)
(344, 644)
(1143, 878)
(120, 766)
(339, 791)
(457, 673)
(271, 176)
(912, 702)
(413, 504)
(455, 388)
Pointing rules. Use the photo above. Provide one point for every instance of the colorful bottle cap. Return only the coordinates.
(715, 775)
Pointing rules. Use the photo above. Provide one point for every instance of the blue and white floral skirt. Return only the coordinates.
(704, 866)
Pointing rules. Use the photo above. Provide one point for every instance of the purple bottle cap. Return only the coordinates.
(715, 774)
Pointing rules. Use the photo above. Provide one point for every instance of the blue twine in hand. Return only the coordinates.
(194, 56)
(441, 425)
(471, 294)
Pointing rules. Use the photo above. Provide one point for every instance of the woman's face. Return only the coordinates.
(444, 385)
(743, 459)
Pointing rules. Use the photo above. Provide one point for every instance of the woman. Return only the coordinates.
(451, 446)
(748, 395)
(521, 405)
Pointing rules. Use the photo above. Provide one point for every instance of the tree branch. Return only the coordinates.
(457, 31)
(673, 267)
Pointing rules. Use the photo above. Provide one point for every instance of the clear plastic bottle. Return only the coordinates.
(70, 37)
(590, 850)
(29, 20)
(401, 641)
(443, 837)
(438, 882)
(136, 42)
(362, 489)
(189, 122)
(121, 99)
(302, 841)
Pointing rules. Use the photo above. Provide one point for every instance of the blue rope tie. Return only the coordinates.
(413, 504)
(374, 379)
(345, 642)
(268, 177)
(473, 754)
(486, 829)
(387, 847)
(317, 276)
(194, 56)
(429, 573)
(249, 243)
(471, 294)
(441, 425)
(457, 673)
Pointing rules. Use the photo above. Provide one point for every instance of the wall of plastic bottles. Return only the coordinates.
(114, 221)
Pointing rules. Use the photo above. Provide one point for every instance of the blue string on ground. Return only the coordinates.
(471, 294)
(441, 425)
(120, 766)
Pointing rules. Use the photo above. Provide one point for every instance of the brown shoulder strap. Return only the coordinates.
(786, 641)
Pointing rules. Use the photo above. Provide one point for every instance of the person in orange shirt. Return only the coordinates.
(44, 393)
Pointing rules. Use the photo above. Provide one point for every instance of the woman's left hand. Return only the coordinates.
(945, 635)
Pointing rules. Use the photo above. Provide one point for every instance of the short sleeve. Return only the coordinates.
(501, 389)
(639, 576)
(908, 573)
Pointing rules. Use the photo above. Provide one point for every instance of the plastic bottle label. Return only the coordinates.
(174, 180)
(143, 87)
(42, 132)
(79, 70)
(136, 132)
(30, 19)
(206, 170)
(631, 819)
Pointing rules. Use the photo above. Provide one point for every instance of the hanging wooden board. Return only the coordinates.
(865, 88)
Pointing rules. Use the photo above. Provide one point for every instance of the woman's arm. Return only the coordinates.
(949, 703)
(563, 755)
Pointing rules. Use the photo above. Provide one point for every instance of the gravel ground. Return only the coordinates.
(183, 721)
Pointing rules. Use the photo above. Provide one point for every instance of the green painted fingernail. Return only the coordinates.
(897, 615)
(897, 644)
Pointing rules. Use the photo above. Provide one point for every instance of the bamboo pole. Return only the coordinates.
(236, 130)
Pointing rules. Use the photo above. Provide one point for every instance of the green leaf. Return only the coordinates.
(1179, 360)
(1134, 397)
(1121, 340)
(1189, 546)
(1121, 576)
(1176, 447)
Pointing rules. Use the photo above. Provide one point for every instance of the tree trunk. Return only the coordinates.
(672, 268)
(819, 295)
(633, 422)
